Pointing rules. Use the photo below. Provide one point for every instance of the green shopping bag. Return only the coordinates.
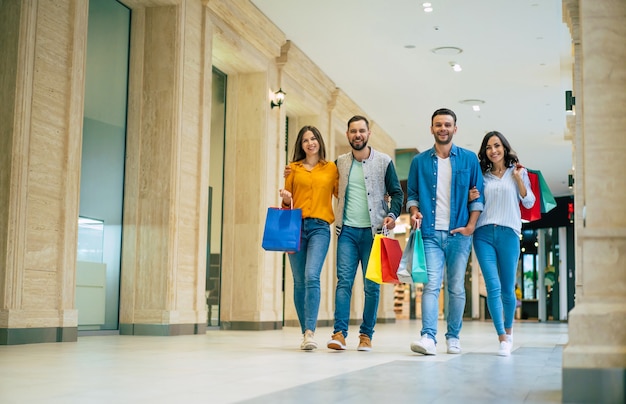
(547, 199)
(418, 270)
(412, 267)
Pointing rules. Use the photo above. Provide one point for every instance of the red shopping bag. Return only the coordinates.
(390, 255)
(534, 213)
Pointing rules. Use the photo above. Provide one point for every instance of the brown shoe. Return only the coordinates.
(365, 343)
(337, 342)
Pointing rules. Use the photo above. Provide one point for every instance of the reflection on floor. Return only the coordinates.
(268, 367)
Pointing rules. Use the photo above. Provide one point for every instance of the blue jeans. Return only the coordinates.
(306, 266)
(497, 249)
(451, 251)
(354, 245)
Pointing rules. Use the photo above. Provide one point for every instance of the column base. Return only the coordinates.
(594, 385)
(251, 325)
(165, 330)
(19, 336)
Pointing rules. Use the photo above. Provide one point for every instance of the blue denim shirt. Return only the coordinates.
(422, 187)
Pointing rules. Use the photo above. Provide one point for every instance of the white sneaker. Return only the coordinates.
(424, 346)
(454, 345)
(505, 348)
(509, 338)
(308, 343)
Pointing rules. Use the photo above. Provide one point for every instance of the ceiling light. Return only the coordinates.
(455, 66)
(474, 103)
(446, 50)
(428, 7)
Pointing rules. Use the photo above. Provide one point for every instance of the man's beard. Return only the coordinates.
(443, 142)
(360, 147)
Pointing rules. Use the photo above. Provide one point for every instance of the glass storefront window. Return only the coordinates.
(90, 239)
(102, 166)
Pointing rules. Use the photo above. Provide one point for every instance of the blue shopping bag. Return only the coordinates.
(282, 230)
(404, 269)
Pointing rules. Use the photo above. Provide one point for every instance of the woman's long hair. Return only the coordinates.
(510, 157)
(298, 151)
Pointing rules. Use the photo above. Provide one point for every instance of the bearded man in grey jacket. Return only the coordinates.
(366, 178)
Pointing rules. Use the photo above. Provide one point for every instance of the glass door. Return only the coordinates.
(216, 187)
(102, 169)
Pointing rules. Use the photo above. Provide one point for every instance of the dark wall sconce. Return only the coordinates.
(570, 101)
(279, 97)
(570, 181)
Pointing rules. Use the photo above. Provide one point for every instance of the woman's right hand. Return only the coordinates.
(286, 195)
(473, 194)
(287, 171)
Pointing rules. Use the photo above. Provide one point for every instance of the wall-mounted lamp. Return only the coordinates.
(570, 181)
(279, 97)
(570, 101)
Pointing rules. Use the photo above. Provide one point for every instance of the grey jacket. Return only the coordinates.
(380, 179)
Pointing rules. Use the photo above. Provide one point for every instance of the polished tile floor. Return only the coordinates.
(268, 367)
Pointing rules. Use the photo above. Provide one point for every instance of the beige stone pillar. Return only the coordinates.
(246, 47)
(594, 360)
(166, 185)
(41, 109)
(252, 295)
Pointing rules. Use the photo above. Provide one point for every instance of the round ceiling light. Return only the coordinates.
(447, 50)
(472, 102)
(475, 103)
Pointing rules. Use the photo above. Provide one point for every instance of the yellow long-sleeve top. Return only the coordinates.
(312, 191)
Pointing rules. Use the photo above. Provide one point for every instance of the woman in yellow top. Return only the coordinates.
(312, 181)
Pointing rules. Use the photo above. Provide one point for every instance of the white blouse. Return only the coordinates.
(502, 200)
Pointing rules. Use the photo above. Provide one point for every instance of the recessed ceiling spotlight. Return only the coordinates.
(446, 50)
(455, 66)
(475, 103)
(428, 7)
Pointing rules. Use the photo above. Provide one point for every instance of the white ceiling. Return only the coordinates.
(516, 57)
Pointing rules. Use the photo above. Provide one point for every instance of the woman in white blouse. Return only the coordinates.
(496, 238)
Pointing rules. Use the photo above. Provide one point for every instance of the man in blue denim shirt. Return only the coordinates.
(438, 187)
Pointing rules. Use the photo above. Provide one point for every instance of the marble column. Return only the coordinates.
(166, 184)
(42, 83)
(594, 360)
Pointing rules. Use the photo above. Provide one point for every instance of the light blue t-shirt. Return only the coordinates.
(356, 213)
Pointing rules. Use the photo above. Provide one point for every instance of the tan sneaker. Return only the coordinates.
(337, 341)
(365, 343)
(308, 343)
